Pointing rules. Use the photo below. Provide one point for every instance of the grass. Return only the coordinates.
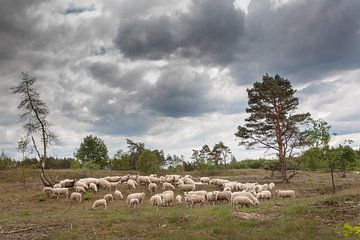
(315, 213)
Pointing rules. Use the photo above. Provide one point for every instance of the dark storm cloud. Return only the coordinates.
(210, 29)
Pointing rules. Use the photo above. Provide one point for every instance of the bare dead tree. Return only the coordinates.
(34, 117)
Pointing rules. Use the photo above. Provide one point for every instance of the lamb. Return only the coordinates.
(139, 196)
(205, 179)
(244, 194)
(178, 199)
(47, 190)
(224, 195)
(93, 187)
(243, 201)
(60, 191)
(285, 193)
(133, 203)
(118, 195)
(80, 189)
(152, 187)
(167, 186)
(100, 202)
(264, 194)
(194, 199)
(187, 187)
(156, 201)
(75, 196)
(271, 186)
(109, 198)
(211, 197)
(168, 197)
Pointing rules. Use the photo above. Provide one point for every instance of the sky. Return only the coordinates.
(173, 73)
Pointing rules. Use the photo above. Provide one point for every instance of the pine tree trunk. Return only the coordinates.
(332, 177)
(283, 170)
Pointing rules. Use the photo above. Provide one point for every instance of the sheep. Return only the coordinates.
(243, 201)
(224, 195)
(75, 196)
(82, 184)
(167, 185)
(131, 184)
(47, 190)
(60, 191)
(156, 180)
(152, 187)
(118, 195)
(194, 199)
(168, 197)
(133, 203)
(139, 196)
(156, 201)
(113, 186)
(264, 194)
(188, 180)
(143, 180)
(113, 179)
(100, 202)
(67, 183)
(93, 187)
(133, 177)
(58, 185)
(228, 189)
(271, 186)
(187, 187)
(178, 199)
(80, 189)
(204, 179)
(103, 183)
(202, 192)
(124, 178)
(211, 197)
(109, 198)
(153, 175)
(285, 193)
(244, 194)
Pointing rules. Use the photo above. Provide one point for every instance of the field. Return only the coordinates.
(316, 213)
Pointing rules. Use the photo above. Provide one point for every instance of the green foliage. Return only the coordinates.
(312, 159)
(6, 162)
(148, 162)
(319, 135)
(88, 196)
(93, 150)
(121, 161)
(91, 165)
(75, 164)
(351, 231)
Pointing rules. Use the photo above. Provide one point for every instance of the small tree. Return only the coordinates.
(273, 123)
(93, 151)
(347, 157)
(148, 162)
(35, 112)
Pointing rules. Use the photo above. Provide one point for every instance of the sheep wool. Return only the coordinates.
(98, 203)
(76, 197)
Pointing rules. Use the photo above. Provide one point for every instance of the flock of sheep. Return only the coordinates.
(236, 193)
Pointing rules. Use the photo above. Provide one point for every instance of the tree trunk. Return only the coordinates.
(332, 177)
(283, 170)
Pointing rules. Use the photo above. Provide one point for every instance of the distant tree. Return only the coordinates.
(347, 157)
(149, 162)
(23, 147)
(174, 161)
(93, 151)
(221, 153)
(273, 123)
(35, 112)
(134, 150)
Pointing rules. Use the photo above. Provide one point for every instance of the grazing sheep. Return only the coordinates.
(81, 184)
(131, 184)
(167, 186)
(47, 190)
(168, 197)
(133, 203)
(103, 183)
(187, 187)
(188, 180)
(243, 201)
(156, 180)
(271, 186)
(285, 193)
(145, 180)
(60, 191)
(124, 178)
(178, 199)
(67, 183)
(113, 186)
(152, 187)
(244, 194)
(264, 194)
(194, 199)
(211, 197)
(228, 189)
(156, 201)
(139, 196)
(224, 195)
(202, 192)
(58, 185)
(80, 189)
(93, 187)
(118, 195)
(100, 202)
(75, 196)
(204, 179)
(109, 198)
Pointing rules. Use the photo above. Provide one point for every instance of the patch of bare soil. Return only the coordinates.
(26, 231)
(251, 216)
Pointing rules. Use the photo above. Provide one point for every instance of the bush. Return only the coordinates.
(91, 165)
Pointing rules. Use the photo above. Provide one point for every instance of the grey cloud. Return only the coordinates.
(209, 30)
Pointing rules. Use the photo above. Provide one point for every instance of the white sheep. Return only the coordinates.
(58, 185)
(103, 183)
(100, 202)
(166, 186)
(81, 184)
(187, 187)
(47, 190)
(80, 189)
(133, 203)
(75, 196)
(67, 183)
(285, 193)
(131, 184)
(243, 201)
(168, 197)
(178, 199)
(93, 187)
(139, 196)
(60, 191)
(118, 195)
(152, 187)
(194, 199)
(143, 180)
(244, 194)
(271, 186)
(264, 194)
(204, 179)
(109, 198)
(113, 186)
(224, 195)
(156, 201)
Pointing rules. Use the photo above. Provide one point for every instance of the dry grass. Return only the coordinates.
(316, 213)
